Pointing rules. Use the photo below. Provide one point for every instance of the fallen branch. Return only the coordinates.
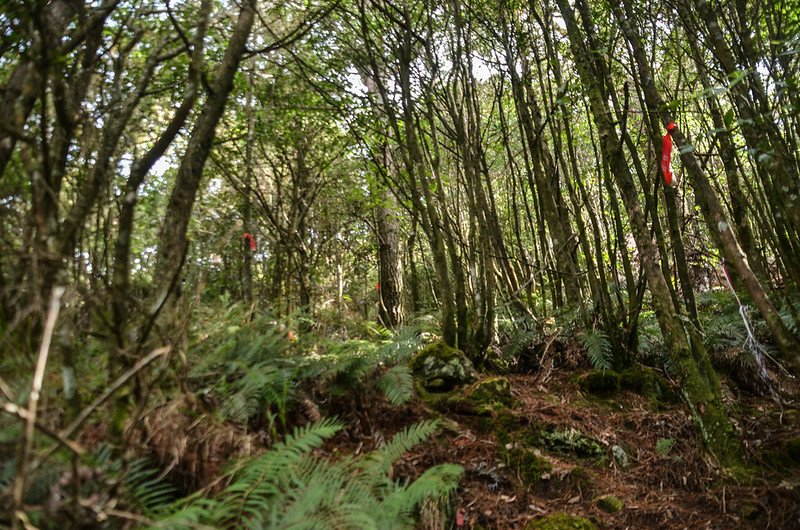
(22, 414)
(26, 442)
(102, 398)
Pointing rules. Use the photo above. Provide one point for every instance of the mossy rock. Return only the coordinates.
(600, 382)
(576, 480)
(610, 503)
(529, 464)
(487, 396)
(572, 441)
(441, 368)
(646, 382)
(561, 521)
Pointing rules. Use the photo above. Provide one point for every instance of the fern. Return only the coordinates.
(287, 487)
(146, 488)
(261, 478)
(381, 459)
(598, 349)
(397, 384)
(435, 482)
(789, 319)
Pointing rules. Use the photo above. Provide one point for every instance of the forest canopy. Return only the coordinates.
(260, 214)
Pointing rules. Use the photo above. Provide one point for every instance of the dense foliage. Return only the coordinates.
(229, 211)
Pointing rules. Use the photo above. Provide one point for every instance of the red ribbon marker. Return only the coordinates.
(666, 154)
(252, 239)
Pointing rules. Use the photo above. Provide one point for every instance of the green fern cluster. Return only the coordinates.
(253, 369)
(288, 487)
(598, 349)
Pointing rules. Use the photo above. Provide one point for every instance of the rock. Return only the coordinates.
(528, 464)
(646, 381)
(441, 368)
(620, 456)
(561, 521)
(600, 382)
(610, 504)
(487, 395)
(571, 440)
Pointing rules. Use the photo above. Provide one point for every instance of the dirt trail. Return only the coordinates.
(675, 486)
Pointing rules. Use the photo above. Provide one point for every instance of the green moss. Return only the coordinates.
(487, 396)
(785, 458)
(561, 521)
(503, 422)
(600, 382)
(436, 400)
(527, 463)
(442, 368)
(792, 417)
(436, 384)
(578, 478)
(438, 350)
(646, 381)
(610, 503)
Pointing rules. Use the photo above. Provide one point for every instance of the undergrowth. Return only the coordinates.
(289, 487)
(234, 398)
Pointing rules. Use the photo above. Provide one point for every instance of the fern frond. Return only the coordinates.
(435, 483)
(262, 477)
(379, 461)
(146, 487)
(397, 384)
(598, 349)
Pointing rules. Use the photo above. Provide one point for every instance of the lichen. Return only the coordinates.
(441, 368)
(620, 456)
(561, 521)
(572, 441)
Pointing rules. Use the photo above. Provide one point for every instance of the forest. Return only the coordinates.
(393, 264)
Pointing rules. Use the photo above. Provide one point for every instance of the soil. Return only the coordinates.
(674, 486)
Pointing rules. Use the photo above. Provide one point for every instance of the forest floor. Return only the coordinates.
(669, 482)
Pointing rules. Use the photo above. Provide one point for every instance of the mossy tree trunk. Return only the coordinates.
(698, 380)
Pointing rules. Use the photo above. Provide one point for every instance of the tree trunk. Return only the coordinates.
(699, 383)
(172, 239)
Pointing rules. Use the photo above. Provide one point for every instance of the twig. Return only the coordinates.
(22, 414)
(6, 390)
(36, 387)
(85, 413)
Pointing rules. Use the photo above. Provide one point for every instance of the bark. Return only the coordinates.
(763, 137)
(390, 262)
(707, 198)
(173, 236)
(698, 381)
(247, 221)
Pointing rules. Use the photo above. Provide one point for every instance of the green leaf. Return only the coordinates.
(664, 445)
